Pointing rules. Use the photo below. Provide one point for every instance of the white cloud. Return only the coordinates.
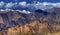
(23, 3)
(36, 5)
(9, 5)
(39, 5)
(52, 4)
(45, 5)
(1, 3)
(24, 11)
(21, 11)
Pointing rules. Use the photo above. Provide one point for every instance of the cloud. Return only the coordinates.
(45, 5)
(39, 5)
(34, 5)
(24, 11)
(1, 3)
(9, 5)
(21, 11)
(23, 3)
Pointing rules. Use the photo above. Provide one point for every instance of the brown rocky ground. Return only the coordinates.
(37, 27)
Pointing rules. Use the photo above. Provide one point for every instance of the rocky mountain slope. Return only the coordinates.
(15, 18)
(37, 22)
(37, 27)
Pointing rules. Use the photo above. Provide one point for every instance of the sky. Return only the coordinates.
(29, 5)
(54, 1)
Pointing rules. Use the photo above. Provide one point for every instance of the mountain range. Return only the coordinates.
(46, 18)
(14, 18)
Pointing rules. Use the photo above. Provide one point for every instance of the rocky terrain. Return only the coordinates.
(16, 18)
(35, 23)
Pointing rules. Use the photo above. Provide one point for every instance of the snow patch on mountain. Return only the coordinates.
(21, 11)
